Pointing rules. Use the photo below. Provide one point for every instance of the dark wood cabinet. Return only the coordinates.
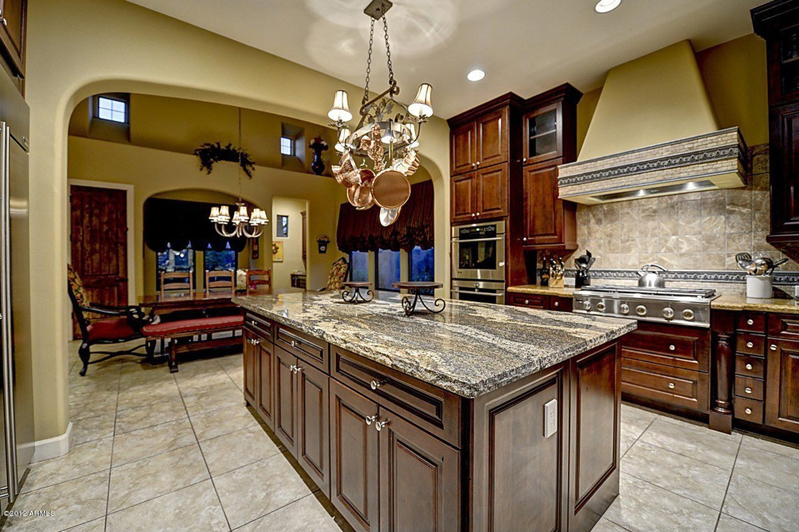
(313, 451)
(480, 195)
(265, 364)
(782, 391)
(286, 399)
(547, 220)
(543, 302)
(463, 200)
(543, 135)
(463, 148)
(481, 137)
(13, 17)
(250, 362)
(492, 138)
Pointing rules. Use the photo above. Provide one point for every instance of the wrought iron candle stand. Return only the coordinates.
(409, 302)
(351, 292)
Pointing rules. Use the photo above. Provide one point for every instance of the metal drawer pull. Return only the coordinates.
(255, 341)
(526, 301)
(380, 424)
(672, 347)
(293, 343)
(750, 345)
(369, 419)
(749, 367)
(376, 384)
(671, 385)
(748, 390)
(748, 411)
(750, 321)
(295, 369)
(773, 347)
(557, 303)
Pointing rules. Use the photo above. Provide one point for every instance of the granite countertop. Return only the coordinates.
(566, 291)
(469, 349)
(739, 301)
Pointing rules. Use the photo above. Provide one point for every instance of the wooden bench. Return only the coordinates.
(178, 330)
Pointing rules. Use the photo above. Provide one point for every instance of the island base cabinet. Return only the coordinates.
(313, 451)
(286, 399)
(250, 363)
(782, 389)
(265, 370)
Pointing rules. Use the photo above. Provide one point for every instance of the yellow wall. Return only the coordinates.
(77, 48)
(292, 246)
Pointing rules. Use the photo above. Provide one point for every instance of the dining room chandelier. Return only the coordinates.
(387, 135)
(241, 224)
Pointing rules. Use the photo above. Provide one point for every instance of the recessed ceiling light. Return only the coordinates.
(606, 6)
(475, 75)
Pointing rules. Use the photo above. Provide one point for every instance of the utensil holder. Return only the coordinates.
(759, 286)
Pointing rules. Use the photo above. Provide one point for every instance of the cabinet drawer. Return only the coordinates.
(751, 322)
(749, 410)
(562, 304)
(529, 300)
(749, 388)
(680, 387)
(749, 366)
(435, 410)
(260, 326)
(670, 345)
(308, 348)
(750, 344)
(784, 326)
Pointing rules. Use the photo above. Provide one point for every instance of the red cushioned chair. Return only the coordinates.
(121, 324)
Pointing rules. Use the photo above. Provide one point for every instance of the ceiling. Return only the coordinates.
(524, 46)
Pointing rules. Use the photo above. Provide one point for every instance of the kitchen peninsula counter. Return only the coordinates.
(435, 421)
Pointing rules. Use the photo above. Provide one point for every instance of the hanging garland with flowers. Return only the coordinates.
(211, 153)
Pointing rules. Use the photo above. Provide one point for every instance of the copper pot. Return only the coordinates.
(391, 189)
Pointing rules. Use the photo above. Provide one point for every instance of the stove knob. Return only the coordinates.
(641, 310)
(624, 308)
(600, 307)
(587, 305)
(668, 313)
(688, 314)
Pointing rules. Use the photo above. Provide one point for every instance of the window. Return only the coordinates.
(171, 260)
(359, 266)
(421, 266)
(282, 226)
(388, 269)
(286, 146)
(111, 109)
(215, 261)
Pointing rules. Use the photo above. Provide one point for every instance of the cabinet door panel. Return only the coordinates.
(463, 148)
(782, 387)
(313, 451)
(419, 479)
(285, 399)
(266, 383)
(492, 138)
(492, 192)
(12, 32)
(463, 198)
(543, 130)
(353, 457)
(543, 211)
(784, 162)
(250, 367)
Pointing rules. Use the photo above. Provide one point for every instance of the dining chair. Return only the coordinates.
(176, 284)
(220, 282)
(259, 282)
(339, 272)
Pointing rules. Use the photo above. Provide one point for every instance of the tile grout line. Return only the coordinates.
(312, 494)
(726, 491)
(111, 464)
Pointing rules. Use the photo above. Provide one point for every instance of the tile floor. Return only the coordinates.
(155, 451)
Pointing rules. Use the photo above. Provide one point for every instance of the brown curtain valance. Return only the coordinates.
(361, 230)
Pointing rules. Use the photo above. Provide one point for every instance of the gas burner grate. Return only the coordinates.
(705, 293)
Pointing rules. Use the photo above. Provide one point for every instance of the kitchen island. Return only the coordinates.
(483, 417)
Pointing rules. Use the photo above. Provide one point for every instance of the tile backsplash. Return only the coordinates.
(697, 231)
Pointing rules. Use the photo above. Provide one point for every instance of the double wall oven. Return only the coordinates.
(478, 262)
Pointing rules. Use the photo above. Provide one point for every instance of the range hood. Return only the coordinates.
(654, 133)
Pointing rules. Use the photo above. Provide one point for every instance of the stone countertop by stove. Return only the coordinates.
(469, 349)
(566, 291)
(737, 300)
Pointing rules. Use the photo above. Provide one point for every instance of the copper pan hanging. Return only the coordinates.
(360, 196)
(391, 189)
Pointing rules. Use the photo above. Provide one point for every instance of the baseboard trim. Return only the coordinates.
(53, 447)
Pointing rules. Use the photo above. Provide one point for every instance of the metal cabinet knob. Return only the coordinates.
(672, 347)
(749, 367)
(478, 163)
(524, 239)
(376, 384)
(748, 390)
(473, 165)
(773, 347)
(380, 424)
(524, 159)
(526, 301)
(748, 411)
(478, 214)
(556, 303)
(293, 343)
(750, 345)
(370, 419)
(295, 369)
(671, 385)
(750, 321)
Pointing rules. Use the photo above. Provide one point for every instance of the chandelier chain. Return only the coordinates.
(369, 63)
(388, 55)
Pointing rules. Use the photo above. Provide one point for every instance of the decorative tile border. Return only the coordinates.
(704, 276)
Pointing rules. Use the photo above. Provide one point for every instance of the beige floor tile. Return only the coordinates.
(700, 443)
(231, 362)
(603, 525)
(769, 507)
(304, 515)
(157, 413)
(81, 460)
(644, 507)
(195, 508)
(98, 525)
(634, 421)
(92, 428)
(202, 381)
(772, 468)
(152, 477)
(223, 421)
(237, 376)
(73, 502)
(270, 483)
(147, 393)
(213, 398)
(731, 524)
(151, 441)
(237, 449)
(92, 405)
(784, 449)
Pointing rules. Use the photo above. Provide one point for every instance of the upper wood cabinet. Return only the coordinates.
(13, 19)
(480, 195)
(543, 136)
(547, 220)
(463, 148)
(492, 138)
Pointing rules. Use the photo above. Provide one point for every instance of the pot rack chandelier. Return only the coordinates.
(387, 134)
(242, 225)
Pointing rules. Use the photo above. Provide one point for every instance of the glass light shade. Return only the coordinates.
(224, 214)
(341, 110)
(421, 105)
(343, 135)
(606, 6)
(214, 214)
(410, 133)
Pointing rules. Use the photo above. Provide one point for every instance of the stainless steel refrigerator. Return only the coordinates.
(15, 310)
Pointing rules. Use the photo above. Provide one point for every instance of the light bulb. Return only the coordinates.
(606, 6)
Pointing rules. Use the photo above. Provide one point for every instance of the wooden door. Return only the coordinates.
(250, 360)
(784, 168)
(12, 33)
(419, 479)
(782, 385)
(492, 138)
(464, 201)
(353, 457)
(313, 451)
(98, 235)
(543, 211)
(285, 399)
(266, 382)
(492, 192)
(463, 148)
